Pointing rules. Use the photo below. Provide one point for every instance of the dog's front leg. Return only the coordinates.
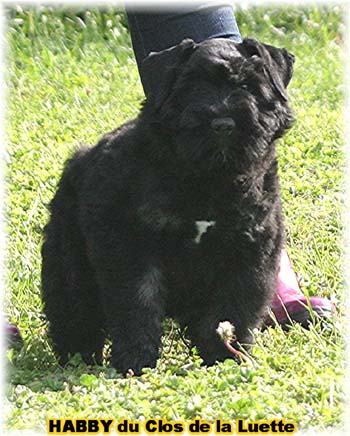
(132, 295)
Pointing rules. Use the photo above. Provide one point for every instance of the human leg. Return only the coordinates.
(156, 31)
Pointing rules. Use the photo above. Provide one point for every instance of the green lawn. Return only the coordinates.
(71, 77)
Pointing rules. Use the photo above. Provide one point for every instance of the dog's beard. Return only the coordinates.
(202, 151)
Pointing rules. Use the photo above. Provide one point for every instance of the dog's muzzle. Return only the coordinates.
(223, 126)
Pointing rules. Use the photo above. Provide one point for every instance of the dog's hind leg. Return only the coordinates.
(69, 290)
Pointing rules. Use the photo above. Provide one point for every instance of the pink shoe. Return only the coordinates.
(13, 336)
(290, 304)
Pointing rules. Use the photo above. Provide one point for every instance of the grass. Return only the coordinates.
(71, 77)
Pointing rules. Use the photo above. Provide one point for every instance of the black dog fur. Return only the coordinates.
(123, 249)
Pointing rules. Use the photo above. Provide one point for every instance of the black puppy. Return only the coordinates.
(176, 213)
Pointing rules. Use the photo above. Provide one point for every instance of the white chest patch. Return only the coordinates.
(202, 227)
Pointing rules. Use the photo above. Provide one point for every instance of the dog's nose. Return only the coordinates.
(223, 126)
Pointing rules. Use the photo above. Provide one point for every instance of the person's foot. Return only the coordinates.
(12, 336)
(290, 304)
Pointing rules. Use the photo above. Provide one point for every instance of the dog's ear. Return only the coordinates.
(277, 63)
(162, 69)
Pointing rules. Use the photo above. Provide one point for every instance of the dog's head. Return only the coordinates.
(223, 103)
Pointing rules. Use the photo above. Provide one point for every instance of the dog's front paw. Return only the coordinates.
(132, 364)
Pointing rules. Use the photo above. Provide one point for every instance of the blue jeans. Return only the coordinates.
(156, 31)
